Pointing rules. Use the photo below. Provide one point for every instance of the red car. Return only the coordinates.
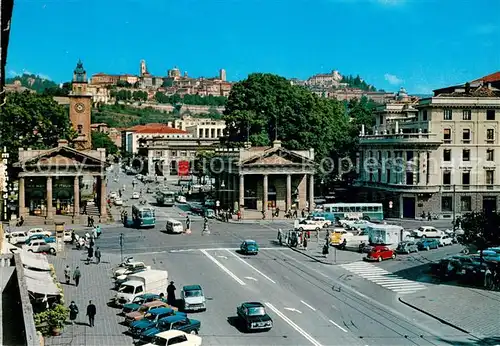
(379, 253)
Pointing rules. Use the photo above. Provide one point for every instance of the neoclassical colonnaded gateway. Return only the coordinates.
(255, 179)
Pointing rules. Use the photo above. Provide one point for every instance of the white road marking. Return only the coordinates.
(227, 271)
(336, 325)
(294, 310)
(311, 268)
(250, 278)
(333, 306)
(251, 266)
(293, 325)
(223, 257)
(309, 306)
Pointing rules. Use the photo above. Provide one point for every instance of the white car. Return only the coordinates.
(306, 225)
(193, 298)
(67, 236)
(427, 232)
(39, 230)
(445, 240)
(118, 201)
(40, 245)
(16, 237)
(113, 195)
(136, 195)
(181, 199)
(175, 337)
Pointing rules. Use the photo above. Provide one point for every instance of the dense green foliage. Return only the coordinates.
(125, 95)
(357, 82)
(33, 82)
(481, 230)
(102, 140)
(57, 91)
(34, 121)
(216, 101)
(126, 116)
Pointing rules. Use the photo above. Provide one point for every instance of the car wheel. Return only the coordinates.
(317, 229)
(301, 229)
(423, 236)
(30, 250)
(393, 256)
(427, 248)
(52, 251)
(379, 259)
(194, 332)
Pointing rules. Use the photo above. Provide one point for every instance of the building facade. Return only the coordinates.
(201, 127)
(132, 136)
(438, 156)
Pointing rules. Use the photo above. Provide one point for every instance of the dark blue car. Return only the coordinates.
(41, 236)
(427, 244)
(176, 322)
(151, 319)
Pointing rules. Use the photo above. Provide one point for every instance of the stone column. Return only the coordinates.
(288, 192)
(311, 193)
(234, 197)
(22, 198)
(265, 190)
(50, 212)
(242, 193)
(103, 210)
(302, 192)
(76, 196)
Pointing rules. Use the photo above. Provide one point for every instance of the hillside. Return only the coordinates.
(33, 82)
(357, 83)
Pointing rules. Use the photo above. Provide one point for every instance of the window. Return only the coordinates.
(447, 115)
(80, 129)
(381, 120)
(490, 114)
(466, 135)
(490, 177)
(466, 114)
(466, 178)
(490, 135)
(446, 178)
(424, 115)
(447, 135)
(447, 155)
(446, 203)
(466, 155)
(388, 176)
(465, 203)
(490, 155)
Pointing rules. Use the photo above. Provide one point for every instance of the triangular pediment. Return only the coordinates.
(63, 155)
(277, 156)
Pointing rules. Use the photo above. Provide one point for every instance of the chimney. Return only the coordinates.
(276, 144)
(62, 143)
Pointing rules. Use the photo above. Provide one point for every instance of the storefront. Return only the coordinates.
(36, 196)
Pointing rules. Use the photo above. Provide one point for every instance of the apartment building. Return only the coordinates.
(131, 137)
(438, 155)
(201, 127)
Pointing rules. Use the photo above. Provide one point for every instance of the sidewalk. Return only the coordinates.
(469, 309)
(95, 285)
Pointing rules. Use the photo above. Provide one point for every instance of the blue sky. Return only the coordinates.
(418, 44)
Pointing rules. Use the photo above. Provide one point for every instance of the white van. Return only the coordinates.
(174, 226)
(17, 237)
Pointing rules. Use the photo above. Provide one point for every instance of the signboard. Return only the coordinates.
(183, 168)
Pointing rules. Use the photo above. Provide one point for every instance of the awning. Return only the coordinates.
(40, 282)
(36, 261)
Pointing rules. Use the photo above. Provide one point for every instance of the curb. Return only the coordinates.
(434, 316)
(309, 256)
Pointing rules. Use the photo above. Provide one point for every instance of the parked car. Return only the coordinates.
(181, 199)
(407, 247)
(357, 224)
(40, 245)
(113, 195)
(175, 337)
(445, 240)
(136, 195)
(40, 236)
(427, 232)
(16, 237)
(143, 310)
(138, 301)
(193, 298)
(150, 320)
(427, 244)
(67, 235)
(253, 315)
(38, 230)
(175, 322)
(118, 201)
(249, 247)
(129, 268)
(380, 253)
(307, 225)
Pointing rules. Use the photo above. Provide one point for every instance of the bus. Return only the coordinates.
(341, 211)
(143, 217)
(165, 198)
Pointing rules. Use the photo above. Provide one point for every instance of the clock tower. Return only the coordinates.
(80, 103)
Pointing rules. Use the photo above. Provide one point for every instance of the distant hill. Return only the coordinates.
(33, 82)
(357, 83)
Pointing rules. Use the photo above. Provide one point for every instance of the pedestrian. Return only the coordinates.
(171, 294)
(76, 276)
(73, 312)
(188, 223)
(303, 213)
(91, 312)
(90, 254)
(239, 215)
(97, 255)
(304, 244)
(88, 221)
(67, 274)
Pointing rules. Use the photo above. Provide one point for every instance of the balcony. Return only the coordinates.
(406, 139)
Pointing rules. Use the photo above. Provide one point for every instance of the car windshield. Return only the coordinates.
(150, 316)
(256, 311)
(193, 293)
(138, 300)
(164, 325)
(127, 289)
(159, 341)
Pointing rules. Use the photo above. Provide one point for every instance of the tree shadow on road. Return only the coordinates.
(488, 341)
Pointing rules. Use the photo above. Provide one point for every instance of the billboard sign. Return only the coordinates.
(183, 168)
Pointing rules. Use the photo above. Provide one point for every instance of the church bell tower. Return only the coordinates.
(80, 102)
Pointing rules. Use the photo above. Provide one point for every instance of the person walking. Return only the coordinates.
(90, 254)
(67, 274)
(91, 312)
(73, 312)
(97, 255)
(171, 294)
(304, 244)
(76, 276)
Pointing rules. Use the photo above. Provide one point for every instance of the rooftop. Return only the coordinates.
(156, 128)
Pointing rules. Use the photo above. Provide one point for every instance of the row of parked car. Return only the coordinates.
(36, 240)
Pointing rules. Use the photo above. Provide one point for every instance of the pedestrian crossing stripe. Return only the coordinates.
(383, 278)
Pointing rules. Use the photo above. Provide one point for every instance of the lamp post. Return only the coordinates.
(5, 180)
(121, 246)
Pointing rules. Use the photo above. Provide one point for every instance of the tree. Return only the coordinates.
(102, 140)
(202, 164)
(33, 121)
(33, 82)
(481, 230)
